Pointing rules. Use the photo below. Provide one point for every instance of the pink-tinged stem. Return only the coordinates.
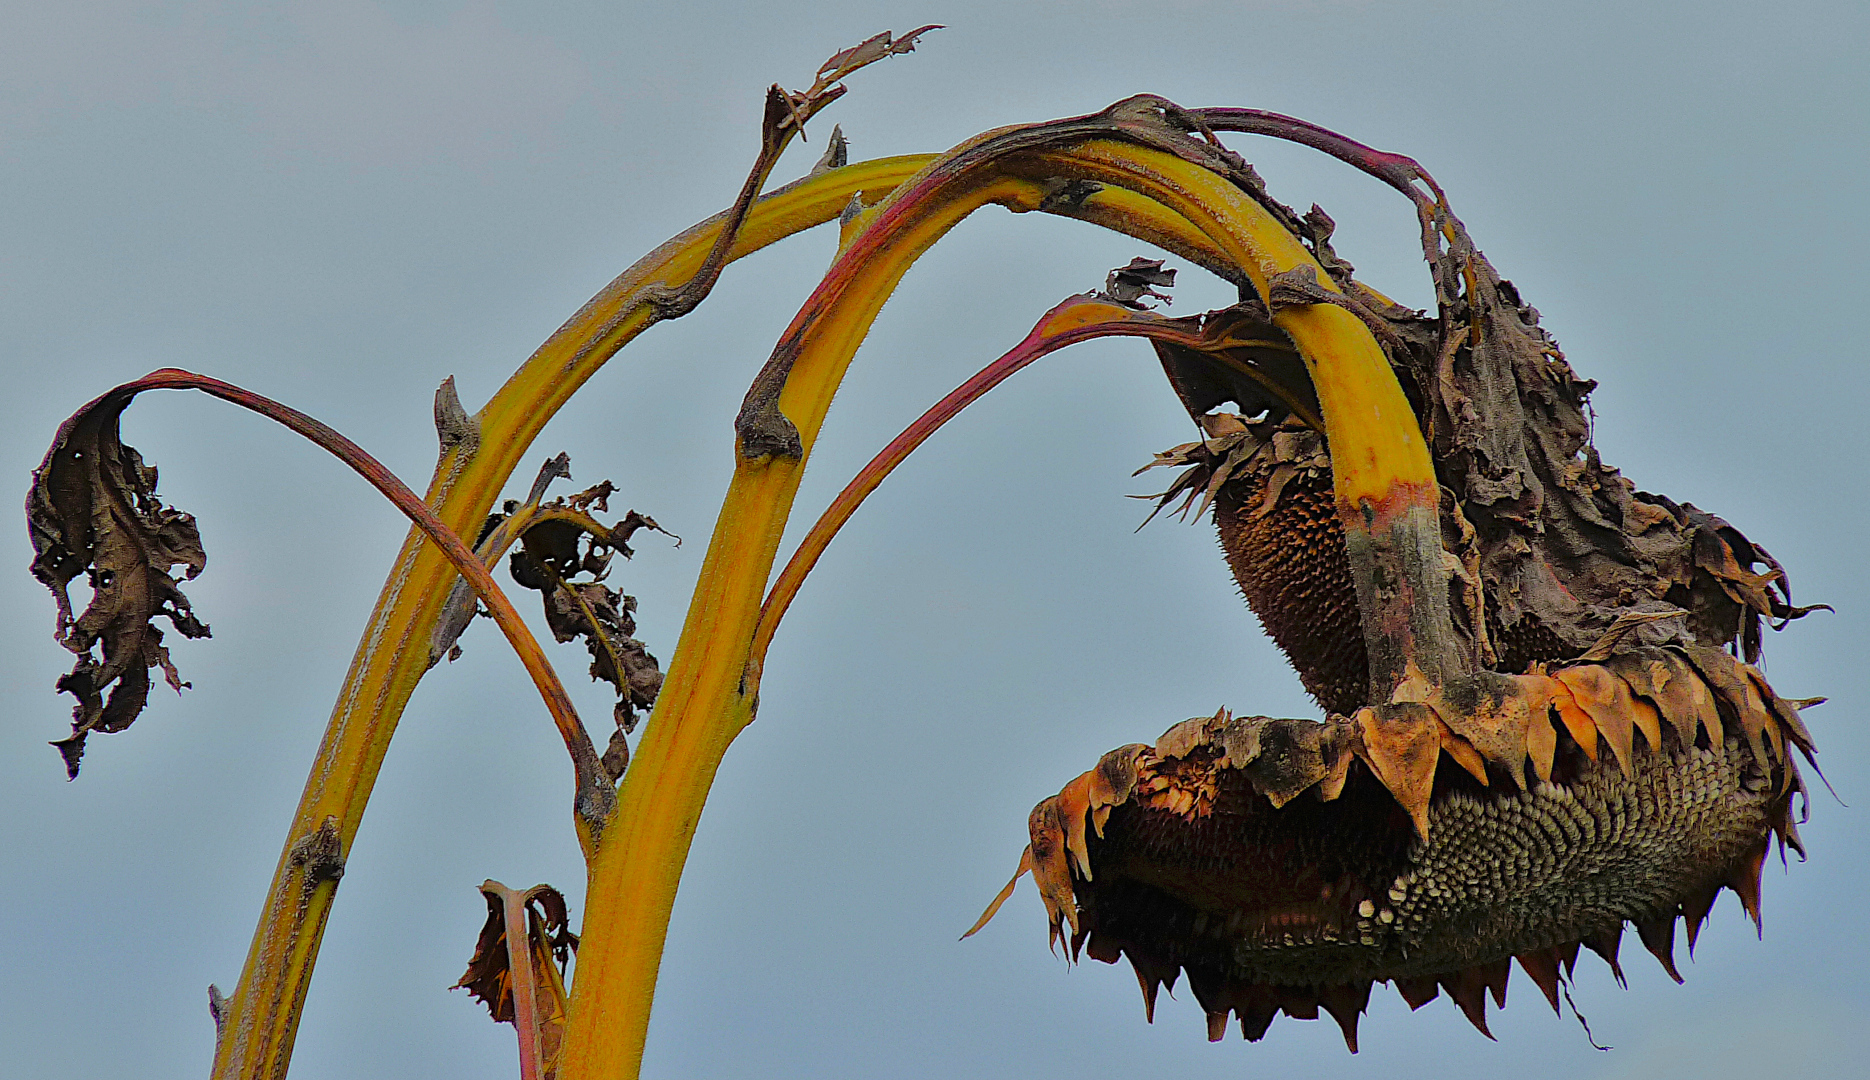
(1077, 319)
(524, 985)
(557, 701)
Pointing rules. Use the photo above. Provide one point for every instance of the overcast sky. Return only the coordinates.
(340, 204)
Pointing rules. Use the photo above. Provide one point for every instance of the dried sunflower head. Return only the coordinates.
(1288, 865)
(1602, 751)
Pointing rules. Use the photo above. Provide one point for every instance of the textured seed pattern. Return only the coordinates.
(1289, 562)
(1315, 895)
(1288, 865)
(1509, 873)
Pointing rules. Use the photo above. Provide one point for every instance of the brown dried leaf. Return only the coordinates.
(489, 973)
(93, 510)
(1136, 282)
(550, 943)
(565, 559)
(868, 51)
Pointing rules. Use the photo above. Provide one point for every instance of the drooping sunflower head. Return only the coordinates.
(1543, 721)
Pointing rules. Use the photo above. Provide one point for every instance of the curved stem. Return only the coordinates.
(595, 798)
(1388, 497)
(705, 700)
(1077, 319)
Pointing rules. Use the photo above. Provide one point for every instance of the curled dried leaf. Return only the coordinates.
(1138, 281)
(565, 557)
(868, 51)
(525, 987)
(93, 510)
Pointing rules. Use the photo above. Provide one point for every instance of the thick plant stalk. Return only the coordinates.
(259, 1021)
(709, 696)
(478, 458)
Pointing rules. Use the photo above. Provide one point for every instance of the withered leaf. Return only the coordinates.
(489, 973)
(565, 555)
(549, 945)
(590, 610)
(1130, 285)
(869, 51)
(93, 510)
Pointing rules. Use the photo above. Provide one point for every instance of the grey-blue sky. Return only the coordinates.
(340, 206)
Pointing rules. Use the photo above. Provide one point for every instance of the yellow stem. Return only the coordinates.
(261, 1018)
(1388, 498)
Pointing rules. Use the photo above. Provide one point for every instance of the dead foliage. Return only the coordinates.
(93, 510)
(525, 985)
(1549, 545)
(1614, 757)
(565, 554)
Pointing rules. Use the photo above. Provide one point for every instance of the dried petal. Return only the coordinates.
(1606, 700)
